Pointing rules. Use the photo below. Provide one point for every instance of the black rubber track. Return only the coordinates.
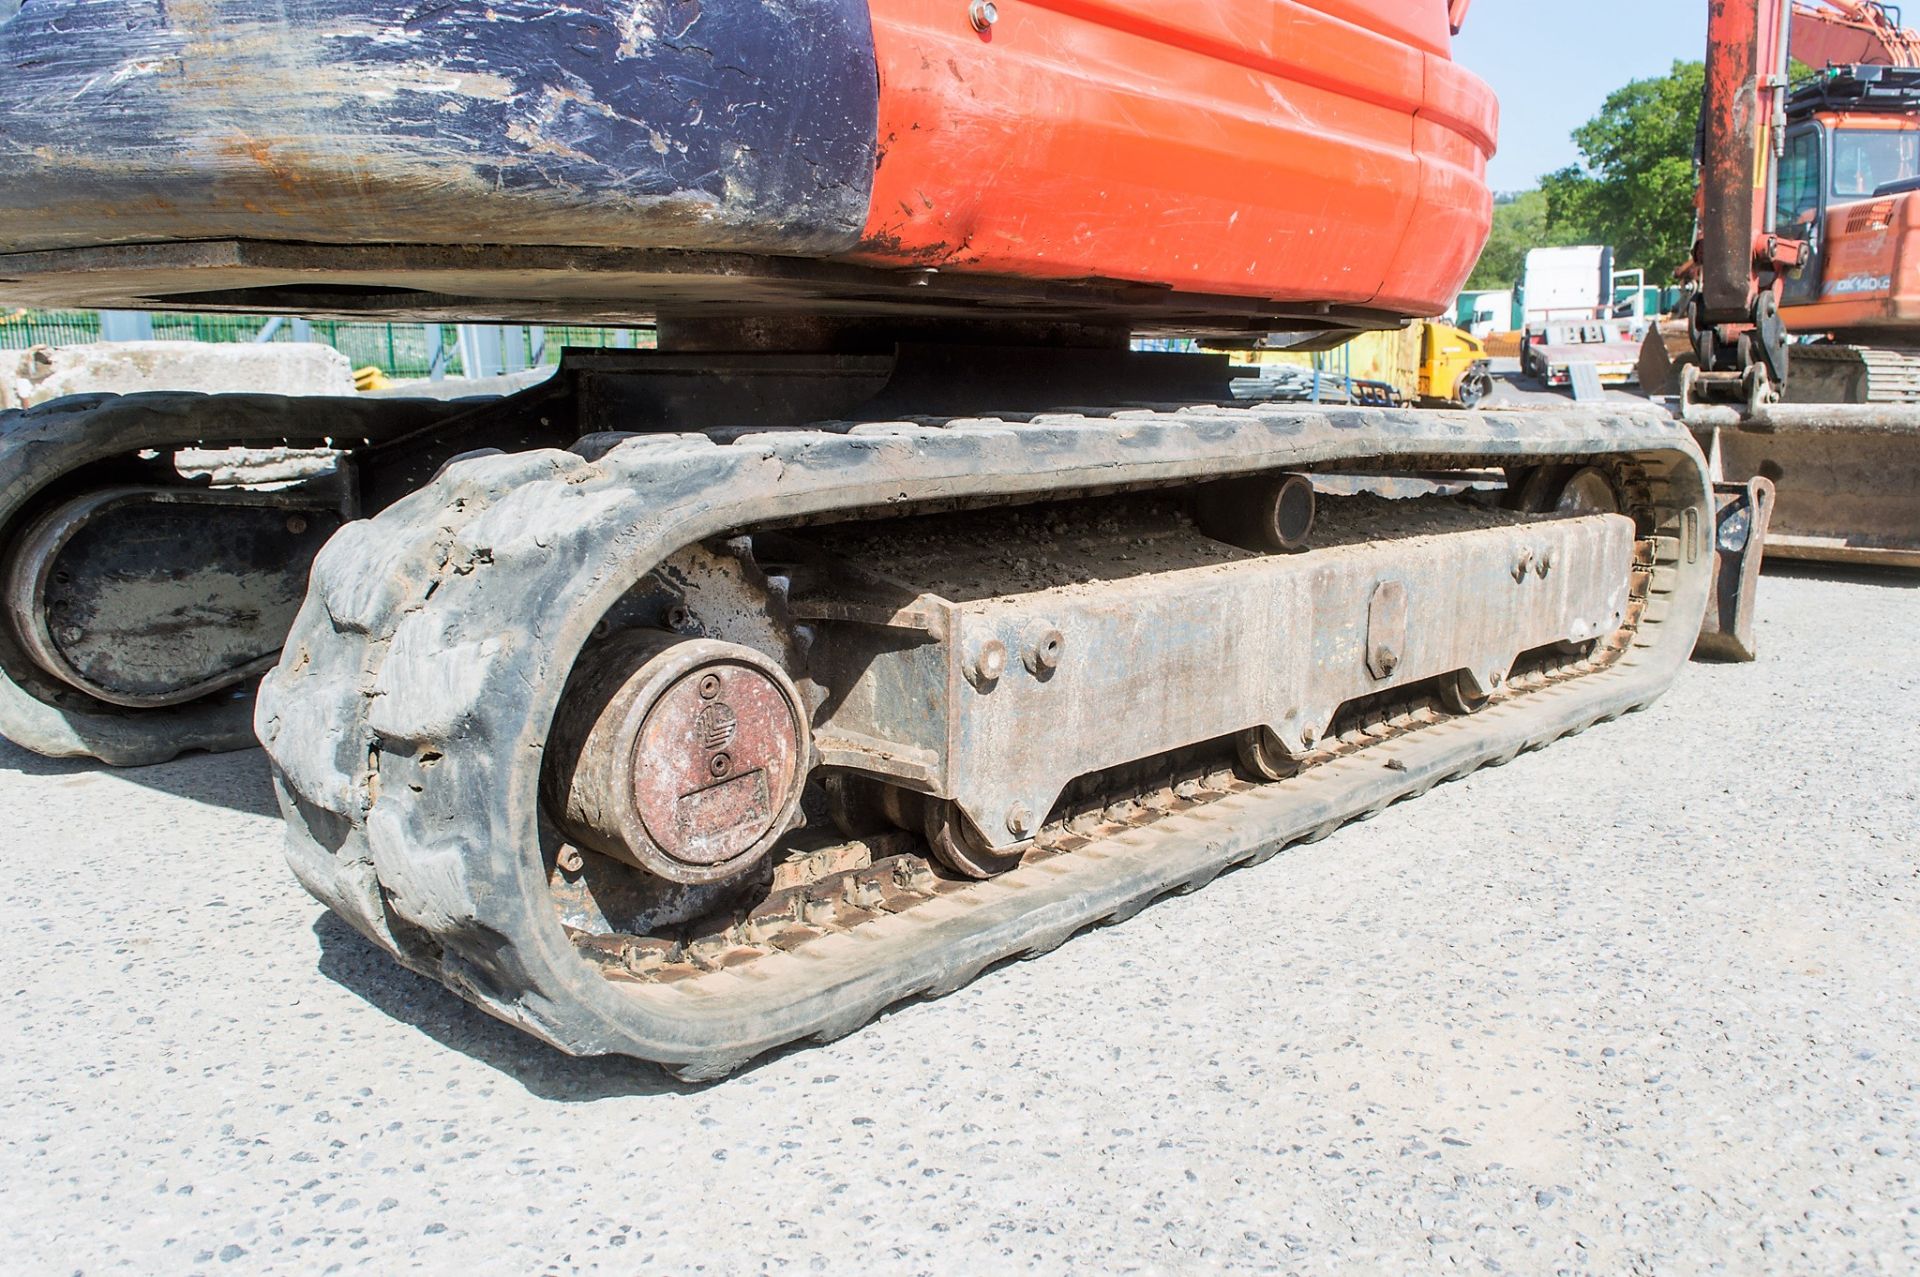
(407, 718)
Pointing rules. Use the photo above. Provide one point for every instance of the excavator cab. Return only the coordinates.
(1851, 161)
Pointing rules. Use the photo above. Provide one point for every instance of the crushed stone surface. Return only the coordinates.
(1642, 1002)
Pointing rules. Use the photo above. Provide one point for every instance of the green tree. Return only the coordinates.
(1634, 187)
(1519, 224)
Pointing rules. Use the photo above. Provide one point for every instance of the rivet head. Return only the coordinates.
(983, 14)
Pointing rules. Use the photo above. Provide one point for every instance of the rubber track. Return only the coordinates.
(44, 445)
(406, 720)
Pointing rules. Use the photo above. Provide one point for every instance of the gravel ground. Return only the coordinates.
(1512, 390)
(1641, 1002)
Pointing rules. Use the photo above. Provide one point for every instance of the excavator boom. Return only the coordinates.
(1831, 33)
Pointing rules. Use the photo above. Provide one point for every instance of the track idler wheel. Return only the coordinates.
(684, 757)
(1559, 489)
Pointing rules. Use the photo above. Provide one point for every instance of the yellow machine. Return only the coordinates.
(1454, 369)
(1428, 362)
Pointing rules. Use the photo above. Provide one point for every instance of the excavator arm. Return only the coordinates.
(1739, 258)
(1828, 33)
(1738, 269)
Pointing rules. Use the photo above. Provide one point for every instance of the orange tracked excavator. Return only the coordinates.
(895, 617)
(1830, 214)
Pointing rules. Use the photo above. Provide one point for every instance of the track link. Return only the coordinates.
(407, 720)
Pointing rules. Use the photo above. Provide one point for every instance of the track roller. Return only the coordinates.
(1272, 514)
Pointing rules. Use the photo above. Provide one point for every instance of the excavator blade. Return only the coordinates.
(1847, 476)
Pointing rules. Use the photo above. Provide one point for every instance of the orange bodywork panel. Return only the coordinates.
(1309, 152)
(1870, 274)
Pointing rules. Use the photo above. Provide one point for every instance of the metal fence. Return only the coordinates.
(399, 350)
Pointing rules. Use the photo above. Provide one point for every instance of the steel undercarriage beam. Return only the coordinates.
(1093, 675)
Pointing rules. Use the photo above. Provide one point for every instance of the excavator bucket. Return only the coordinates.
(1665, 351)
(1846, 470)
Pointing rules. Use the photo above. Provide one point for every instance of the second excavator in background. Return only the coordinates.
(1832, 218)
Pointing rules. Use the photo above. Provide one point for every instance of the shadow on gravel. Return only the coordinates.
(1841, 574)
(238, 781)
(349, 960)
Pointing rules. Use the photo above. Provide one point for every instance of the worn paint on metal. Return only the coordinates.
(716, 124)
(1181, 639)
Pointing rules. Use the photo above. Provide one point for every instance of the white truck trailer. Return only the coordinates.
(1572, 316)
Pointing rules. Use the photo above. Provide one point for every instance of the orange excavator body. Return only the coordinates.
(1237, 166)
(1208, 151)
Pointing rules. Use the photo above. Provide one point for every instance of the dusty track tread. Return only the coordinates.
(406, 719)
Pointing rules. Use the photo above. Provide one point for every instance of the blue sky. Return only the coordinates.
(1553, 62)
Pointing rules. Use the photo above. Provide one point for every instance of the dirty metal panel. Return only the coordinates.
(741, 125)
(1098, 675)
